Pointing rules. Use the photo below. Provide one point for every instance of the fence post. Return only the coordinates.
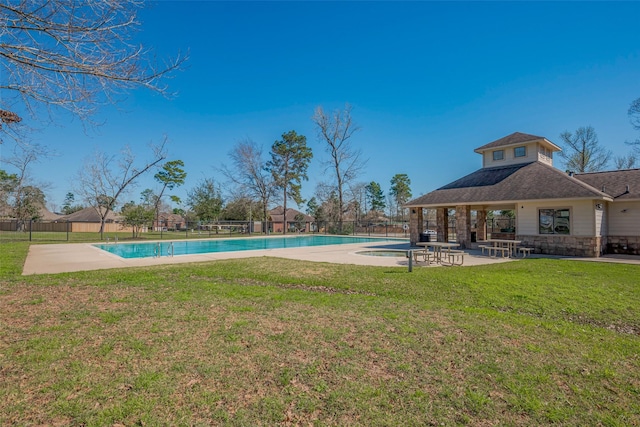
(30, 229)
(68, 230)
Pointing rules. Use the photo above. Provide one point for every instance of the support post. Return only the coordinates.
(415, 225)
(463, 226)
(442, 224)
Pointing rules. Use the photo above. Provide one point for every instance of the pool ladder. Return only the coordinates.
(157, 251)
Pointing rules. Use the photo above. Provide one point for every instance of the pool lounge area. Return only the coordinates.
(61, 258)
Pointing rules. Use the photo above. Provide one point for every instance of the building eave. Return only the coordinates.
(489, 203)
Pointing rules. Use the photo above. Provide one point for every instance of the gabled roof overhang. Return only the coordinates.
(510, 185)
(497, 204)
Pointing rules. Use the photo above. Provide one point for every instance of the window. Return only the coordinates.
(554, 221)
(498, 155)
(520, 152)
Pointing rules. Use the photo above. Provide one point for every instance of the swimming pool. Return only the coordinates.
(184, 247)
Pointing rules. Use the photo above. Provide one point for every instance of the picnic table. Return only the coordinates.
(507, 247)
(442, 252)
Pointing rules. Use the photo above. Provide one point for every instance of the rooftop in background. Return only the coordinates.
(620, 184)
(518, 138)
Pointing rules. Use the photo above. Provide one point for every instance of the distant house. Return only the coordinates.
(169, 221)
(585, 214)
(45, 222)
(296, 220)
(44, 214)
(90, 214)
(88, 220)
(47, 215)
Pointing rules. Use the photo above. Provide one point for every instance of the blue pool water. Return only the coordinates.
(183, 247)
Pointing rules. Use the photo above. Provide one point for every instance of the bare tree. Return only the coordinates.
(73, 54)
(23, 202)
(625, 162)
(344, 160)
(103, 179)
(358, 196)
(634, 117)
(250, 174)
(634, 114)
(326, 195)
(582, 151)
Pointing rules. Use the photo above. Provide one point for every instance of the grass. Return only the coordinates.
(266, 341)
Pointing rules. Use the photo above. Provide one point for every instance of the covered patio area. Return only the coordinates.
(463, 224)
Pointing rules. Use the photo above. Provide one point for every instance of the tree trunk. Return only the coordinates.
(284, 213)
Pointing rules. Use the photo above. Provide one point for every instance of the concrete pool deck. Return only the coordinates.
(63, 258)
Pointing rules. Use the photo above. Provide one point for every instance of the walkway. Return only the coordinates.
(61, 258)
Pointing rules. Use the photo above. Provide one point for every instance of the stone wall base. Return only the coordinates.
(564, 245)
(623, 245)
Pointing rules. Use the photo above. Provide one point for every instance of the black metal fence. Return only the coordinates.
(15, 230)
(12, 230)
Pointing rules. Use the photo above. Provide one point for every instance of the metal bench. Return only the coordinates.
(484, 248)
(505, 252)
(453, 257)
(427, 255)
(525, 251)
(493, 250)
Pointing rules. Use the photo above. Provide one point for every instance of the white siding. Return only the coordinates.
(535, 152)
(509, 158)
(582, 217)
(526, 219)
(625, 223)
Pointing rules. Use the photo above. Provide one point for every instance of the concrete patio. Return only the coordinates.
(60, 258)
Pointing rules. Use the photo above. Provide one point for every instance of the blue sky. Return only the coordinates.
(428, 81)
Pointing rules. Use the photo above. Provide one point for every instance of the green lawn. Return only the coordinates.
(267, 341)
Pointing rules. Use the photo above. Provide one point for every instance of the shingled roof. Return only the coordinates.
(47, 215)
(90, 215)
(621, 184)
(276, 215)
(513, 139)
(525, 181)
